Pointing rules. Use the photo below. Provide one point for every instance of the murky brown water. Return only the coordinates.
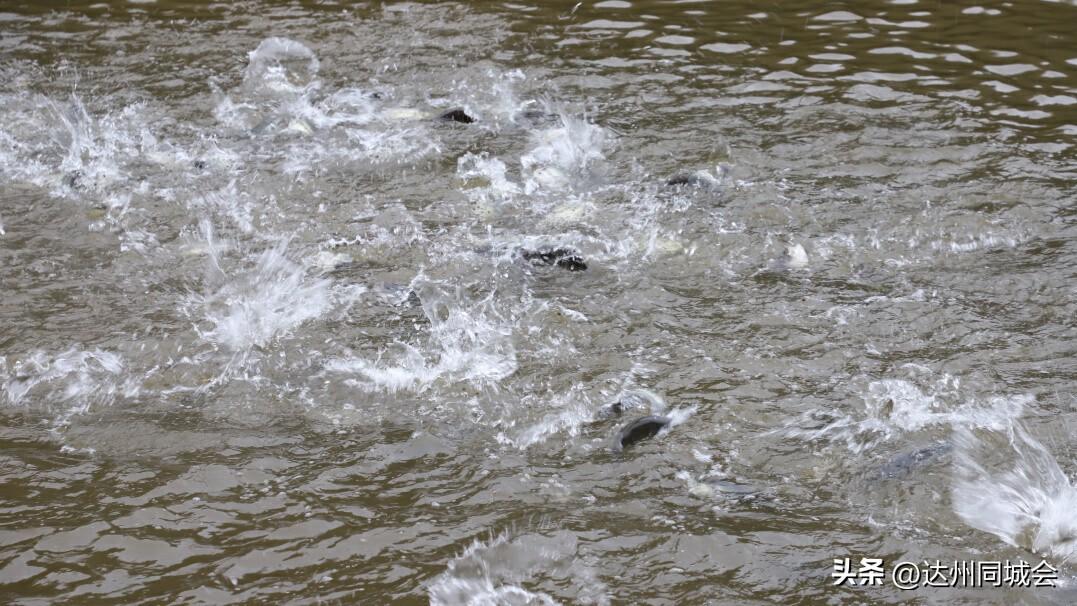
(267, 336)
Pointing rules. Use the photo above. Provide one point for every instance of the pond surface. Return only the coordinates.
(273, 332)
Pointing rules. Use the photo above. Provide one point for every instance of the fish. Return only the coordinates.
(709, 487)
(565, 258)
(639, 430)
(457, 115)
(700, 179)
(907, 463)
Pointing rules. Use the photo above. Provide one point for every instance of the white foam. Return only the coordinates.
(345, 106)
(229, 202)
(499, 101)
(469, 579)
(280, 108)
(327, 260)
(570, 212)
(902, 405)
(642, 400)
(240, 116)
(405, 114)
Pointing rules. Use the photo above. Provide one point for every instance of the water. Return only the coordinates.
(267, 335)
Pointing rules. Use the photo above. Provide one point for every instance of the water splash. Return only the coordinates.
(895, 407)
(485, 178)
(1025, 500)
(281, 105)
(65, 149)
(229, 202)
(281, 66)
(493, 572)
(252, 307)
(558, 155)
(73, 381)
(900, 405)
(471, 344)
(574, 411)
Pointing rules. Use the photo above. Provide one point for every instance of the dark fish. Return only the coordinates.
(456, 115)
(683, 179)
(699, 179)
(909, 462)
(565, 258)
(638, 430)
(200, 165)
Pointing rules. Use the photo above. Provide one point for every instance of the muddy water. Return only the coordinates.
(268, 335)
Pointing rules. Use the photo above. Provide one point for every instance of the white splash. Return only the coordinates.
(281, 65)
(1029, 503)
(492, 573)
(796, 257)
(560, 154)
(229, 202)
(893, 407)
(974, 242)
(572, 413)
(62, 147)
(900, 404)
(280, 105)
(466, 343)
(489, 173)
(229, 113)
(75, 380)
(345, 106)
(450, 591)
(253, 307)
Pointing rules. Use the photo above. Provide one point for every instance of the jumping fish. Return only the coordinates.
(639, 430)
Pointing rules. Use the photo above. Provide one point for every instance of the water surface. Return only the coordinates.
(266, 335)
